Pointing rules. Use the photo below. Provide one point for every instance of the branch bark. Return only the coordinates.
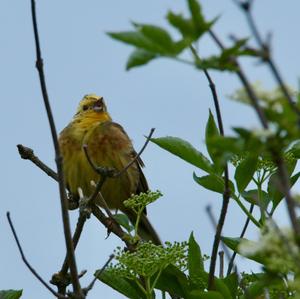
(59, 162)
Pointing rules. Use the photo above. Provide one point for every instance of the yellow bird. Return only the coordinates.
(108, 145)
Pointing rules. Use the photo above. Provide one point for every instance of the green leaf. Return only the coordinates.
(173, 281)
(295, 150)
(159, 37)
(252, 196)
(263, 281)
(235, 49)
(233, 244)
(137, 39)
(224, 61)
(255, 290)
(185, 151)
(124, 221)
(232, 283)
(139, 57)
(196, 12)
(195, 261)
(10, 294)
(219, 285)
(124, 286)
(211, 132)
(222, 288)
(225, 147)
(274, 188)
(184, 26)
(192, 28)
(197, 294)
(245, 171)
(216, 63)
(200, 25)
(213, 182)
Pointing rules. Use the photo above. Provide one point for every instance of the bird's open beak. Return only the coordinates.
(97, 109)
(98, 106)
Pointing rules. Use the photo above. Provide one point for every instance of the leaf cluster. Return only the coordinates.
(151, 42)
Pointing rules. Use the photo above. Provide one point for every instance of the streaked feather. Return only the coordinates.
(108, 145)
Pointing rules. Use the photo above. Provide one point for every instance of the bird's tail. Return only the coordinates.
(145, 229)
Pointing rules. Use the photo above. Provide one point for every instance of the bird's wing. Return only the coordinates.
(109, 145)
(142, 184)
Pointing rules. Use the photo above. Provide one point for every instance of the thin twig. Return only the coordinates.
(111, 172)
(214, 223)
(27, 153)
(60, 279)
(113, 226)
(247, 8)
(79, 227)
(104, 173)
(280, 164)
(277, 158)
(212, 266)
(138, 154)
(96, 212)
(242, 76)
(90, 286)
(58, 160)
(32, 270)
(226, 193)
(221, 257)
(290, 202)
(231, 261)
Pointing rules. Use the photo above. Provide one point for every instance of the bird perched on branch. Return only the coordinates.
(107, 145)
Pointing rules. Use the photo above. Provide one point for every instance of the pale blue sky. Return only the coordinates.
(79, 59)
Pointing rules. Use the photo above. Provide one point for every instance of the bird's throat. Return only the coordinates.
(87, 120)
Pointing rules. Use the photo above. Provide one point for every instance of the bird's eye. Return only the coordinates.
(85, 107)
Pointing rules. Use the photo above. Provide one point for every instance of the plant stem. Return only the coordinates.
(148, 289)
(137, 222)
(156, 279)
(259, 199)
(244, 209)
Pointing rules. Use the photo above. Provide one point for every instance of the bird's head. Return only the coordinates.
(91, 103)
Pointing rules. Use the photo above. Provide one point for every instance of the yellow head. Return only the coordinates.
(92, 108)
(91, 103)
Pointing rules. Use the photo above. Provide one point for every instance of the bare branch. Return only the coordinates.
(226, 193)
(242, 76)
(79, 227)
(27, 153)
(108, 172)
(58, 160)
(113, 226)
(265, 48)
(104, 173)
(290, 202)
(214, 223)
(90, 286)
(32, 270)
(231, 262)
(137, 156)
(221, 256)
(277, 158)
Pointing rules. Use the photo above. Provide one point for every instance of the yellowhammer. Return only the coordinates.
(108, 146)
